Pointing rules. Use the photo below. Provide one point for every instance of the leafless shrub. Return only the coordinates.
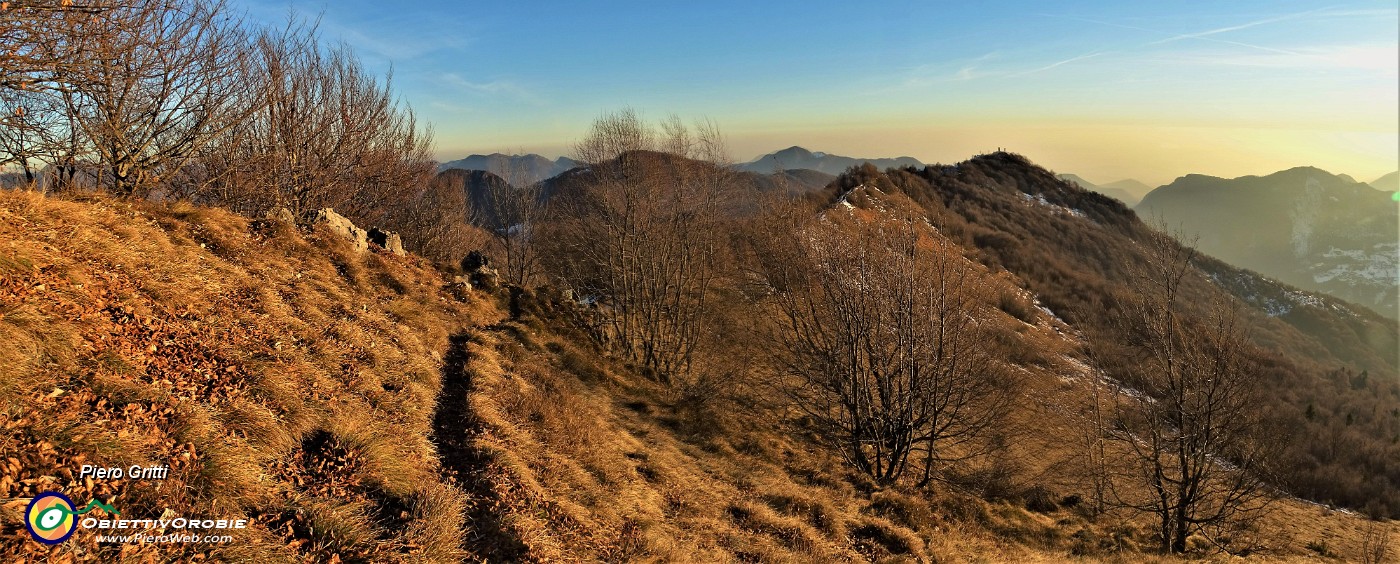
(434, 223)
(882, 337)
(511, 212)
(179, 99)
(161, 80)
(643, 233)
(1375, 542)
(327, 134)
(1198, 452)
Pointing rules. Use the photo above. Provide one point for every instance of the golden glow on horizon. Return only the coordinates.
(1152, 153)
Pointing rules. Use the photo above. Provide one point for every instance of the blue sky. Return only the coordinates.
(1107, 90)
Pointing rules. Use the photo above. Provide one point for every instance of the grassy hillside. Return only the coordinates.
(1075, 249)
(282, 377)
(356, 407)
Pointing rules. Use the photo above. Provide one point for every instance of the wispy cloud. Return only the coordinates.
(395, 48)
(972, 70)
(1210, 35)
(449, 108)
(1057, 64)
(993, 64)
(1376, 58)
(491, 88)
(1203, 36)
(1256, 23)
(940, 72)
(395, 38)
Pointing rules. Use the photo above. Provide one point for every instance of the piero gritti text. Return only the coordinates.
(133, 472)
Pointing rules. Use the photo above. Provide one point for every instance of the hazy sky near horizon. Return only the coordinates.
(1106, 90)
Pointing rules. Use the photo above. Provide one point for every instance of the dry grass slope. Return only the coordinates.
(613, 469)
(284, 378)
(355, 411)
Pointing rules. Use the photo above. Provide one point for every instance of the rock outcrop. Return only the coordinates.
(477, 267)
(387, 239)
(283, 215)
(342, 226)
(360, 238)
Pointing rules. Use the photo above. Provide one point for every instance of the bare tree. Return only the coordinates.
(164, 79)
(1198, 458)
(511, 211)
(643, 231)
(882, 338)
(613, 135)
(1375, 542)
(31, 130)
(35, 44)
(435, 222)
(1093, 446)
(40, 54)
(173, 96)
(325, 133)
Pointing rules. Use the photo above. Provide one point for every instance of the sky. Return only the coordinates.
(1105, 90)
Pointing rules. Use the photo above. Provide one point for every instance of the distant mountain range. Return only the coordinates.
(530, 168)
(1303, 226)
(1128, 191)
(795, 181)
(477, 183)
(798, 158)
(1387, 183)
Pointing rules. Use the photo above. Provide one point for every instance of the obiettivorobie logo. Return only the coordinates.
(51, 518)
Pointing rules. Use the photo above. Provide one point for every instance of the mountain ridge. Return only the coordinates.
(1129, 191)
(1304, 225)
(530, 167)
(359, 402)
(797, 157)
(1387, 183)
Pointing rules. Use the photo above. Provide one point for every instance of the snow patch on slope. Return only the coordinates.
(1055, 209)
(1273, 298)
(1377, 266)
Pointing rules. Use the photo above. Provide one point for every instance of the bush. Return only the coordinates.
(1039, 499)
(1016, 305)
